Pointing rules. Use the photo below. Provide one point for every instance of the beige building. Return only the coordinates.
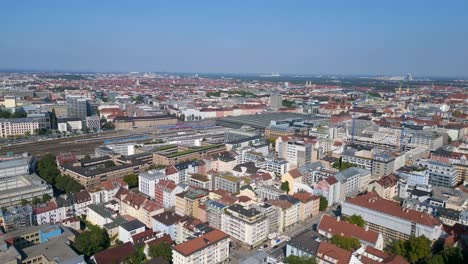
(9, 101)
(211, 247)
(143, 121)
(310, 205)
(21, 126)
(187, 203)
(289, 213)
(386, 187)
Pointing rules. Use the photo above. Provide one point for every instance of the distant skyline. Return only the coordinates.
(425, 38)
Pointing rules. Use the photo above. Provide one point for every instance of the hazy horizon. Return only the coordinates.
(374, 38)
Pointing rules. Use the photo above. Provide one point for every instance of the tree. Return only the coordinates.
(414, 250)
(348, 243)
(357, 220)
(449, 140)
(36, 201)
(163, 250)
(398, 247)
(323, 204)
(131, 180)
(452, 255)
(46, 197)
(299, 260)
(109, 164)
(87, 157)
(47, 168)
(285, 186)
(67, 184)
(53, 119)
(418, 248)
(24, 202)
(91, 241)
(437, 259)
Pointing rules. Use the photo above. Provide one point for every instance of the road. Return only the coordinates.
(240, 254)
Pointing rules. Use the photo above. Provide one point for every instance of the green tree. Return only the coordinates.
(109, 164)
(46, 197)
(437, 259)
(323, 203)
(87, 157)
(24, 202)
(53, 119)
(36, 201)
(414, 250)
(452, 255)
(285, 186)
(348, 243)
(67, 184)
(163, 250)
(47, 168)
(131, 180)
(357, 220)
(418, 248)
(91, 241)
(398, 247)
(299, 260)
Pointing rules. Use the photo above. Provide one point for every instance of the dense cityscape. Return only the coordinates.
(188, 168)
(234, 132)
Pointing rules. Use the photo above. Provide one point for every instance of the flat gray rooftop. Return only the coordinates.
(262, 120)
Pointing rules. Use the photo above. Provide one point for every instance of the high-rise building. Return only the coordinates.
(78, 106)
(276, 101)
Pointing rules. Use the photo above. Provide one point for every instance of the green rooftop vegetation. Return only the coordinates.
(189, 151)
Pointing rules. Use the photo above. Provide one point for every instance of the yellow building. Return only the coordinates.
(292, 177)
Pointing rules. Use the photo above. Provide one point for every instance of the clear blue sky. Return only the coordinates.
(424, 37)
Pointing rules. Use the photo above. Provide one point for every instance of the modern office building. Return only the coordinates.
(78, 107)
(276, 101)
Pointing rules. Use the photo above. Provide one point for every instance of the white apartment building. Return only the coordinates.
(246, 225)
(147, 181)
(440, 174)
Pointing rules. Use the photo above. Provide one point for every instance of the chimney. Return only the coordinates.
(366, 228)
(338, 218)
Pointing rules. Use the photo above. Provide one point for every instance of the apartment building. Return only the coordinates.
(20, 126)
(390, 219)
(289, 211)
(353, 181)
(228, 183)
(148, 180)
(247, 225)
(211, 247)
(440, 174)
(379, 163)
(187, 202)
(137, 206)
(309, 205)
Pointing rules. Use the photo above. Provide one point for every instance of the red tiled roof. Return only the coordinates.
(51, 205)
(171, 170)
(331, 180)
(114, 255)
(305, 197)
(387, 181)
(340, 255)
(333, 226)
(166, 238)
(295, 173)
(374, 202)
(189, 247)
